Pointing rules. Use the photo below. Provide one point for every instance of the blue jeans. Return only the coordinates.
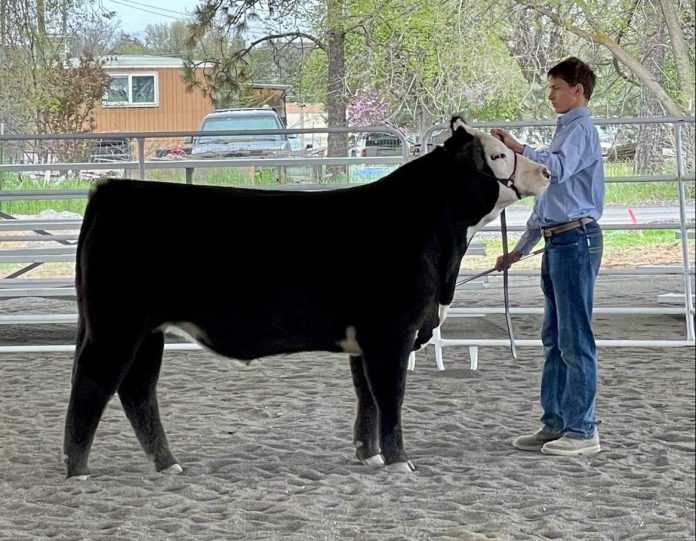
(569, 382)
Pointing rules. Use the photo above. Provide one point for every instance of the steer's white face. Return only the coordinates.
(530, 178)
(519, 176)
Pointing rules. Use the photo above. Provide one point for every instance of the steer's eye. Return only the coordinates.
(546, 173)
(498, 157)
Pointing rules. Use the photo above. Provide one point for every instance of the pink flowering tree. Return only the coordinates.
(366, 108)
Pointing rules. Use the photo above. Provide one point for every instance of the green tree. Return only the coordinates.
(228, 63)
(421, 63)
(43, 88)
(431, 60)
(581, 18)
(125, 44)
(650, 48)
(166, 39)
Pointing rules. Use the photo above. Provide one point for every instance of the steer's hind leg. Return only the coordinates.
(98, 369)
(138, 394)
(366, 428)
(386, 373)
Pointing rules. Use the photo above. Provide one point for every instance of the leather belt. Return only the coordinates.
(560, 228)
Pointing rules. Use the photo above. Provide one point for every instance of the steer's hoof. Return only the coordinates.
(81, 477)
(376, 461)
(174, 469)
(401, 467)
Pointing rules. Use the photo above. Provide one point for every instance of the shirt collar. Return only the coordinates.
(571, 115)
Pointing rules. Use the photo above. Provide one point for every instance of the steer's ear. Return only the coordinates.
(456, 121)
(461, 129)
(460, 135)
(463, 144)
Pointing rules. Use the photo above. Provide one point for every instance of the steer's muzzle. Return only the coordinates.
(532, 178)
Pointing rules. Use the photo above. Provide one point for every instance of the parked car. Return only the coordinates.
(109, 150)
(310, 142)
(369, 145)
(173, 151)
(220, 146)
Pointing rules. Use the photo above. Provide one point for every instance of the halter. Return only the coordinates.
(507, 182)
(510, 181)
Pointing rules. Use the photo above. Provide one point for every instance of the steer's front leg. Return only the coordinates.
(385, 369)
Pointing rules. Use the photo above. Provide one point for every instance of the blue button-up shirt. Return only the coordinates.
(574, 159)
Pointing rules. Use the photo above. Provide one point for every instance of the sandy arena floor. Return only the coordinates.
(267, 451)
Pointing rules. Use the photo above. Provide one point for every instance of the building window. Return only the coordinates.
(132, 90)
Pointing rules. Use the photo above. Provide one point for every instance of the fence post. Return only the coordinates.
(141, 158)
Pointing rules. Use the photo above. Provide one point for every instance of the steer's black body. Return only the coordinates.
(251, 273)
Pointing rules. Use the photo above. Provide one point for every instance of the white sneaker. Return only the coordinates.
(567, 446)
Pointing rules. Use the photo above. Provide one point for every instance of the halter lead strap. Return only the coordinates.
(506, 296)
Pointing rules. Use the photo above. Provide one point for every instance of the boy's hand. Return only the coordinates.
(509, 140)
(513, 257)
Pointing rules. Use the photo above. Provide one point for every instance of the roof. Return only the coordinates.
(243, 110)
(142, 61)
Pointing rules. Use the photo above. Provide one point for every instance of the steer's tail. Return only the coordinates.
(87, 222)
(91, 211)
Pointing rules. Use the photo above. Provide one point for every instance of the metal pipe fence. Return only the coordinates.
(683, 224)
(142, 166)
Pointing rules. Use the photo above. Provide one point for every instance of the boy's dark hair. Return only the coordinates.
(573, 71)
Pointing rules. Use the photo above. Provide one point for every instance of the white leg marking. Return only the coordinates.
(174, 469)
(79, 477)
(402, 467)
(374, 461)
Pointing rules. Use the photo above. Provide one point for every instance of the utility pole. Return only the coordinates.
(41, 17)
(302, 106)
(3, 23)
(64, 20)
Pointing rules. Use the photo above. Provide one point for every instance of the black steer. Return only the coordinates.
(367, 270)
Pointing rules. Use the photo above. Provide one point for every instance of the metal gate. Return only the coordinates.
(59, 235)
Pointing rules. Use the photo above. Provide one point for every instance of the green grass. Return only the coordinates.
(616, 193)
(639, 192)
(613, 240)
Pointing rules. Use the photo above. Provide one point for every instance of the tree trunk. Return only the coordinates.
(41, 18)
(681, 53)
(336, 89)
(651, 137)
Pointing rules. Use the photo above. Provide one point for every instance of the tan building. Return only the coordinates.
(147, 93)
